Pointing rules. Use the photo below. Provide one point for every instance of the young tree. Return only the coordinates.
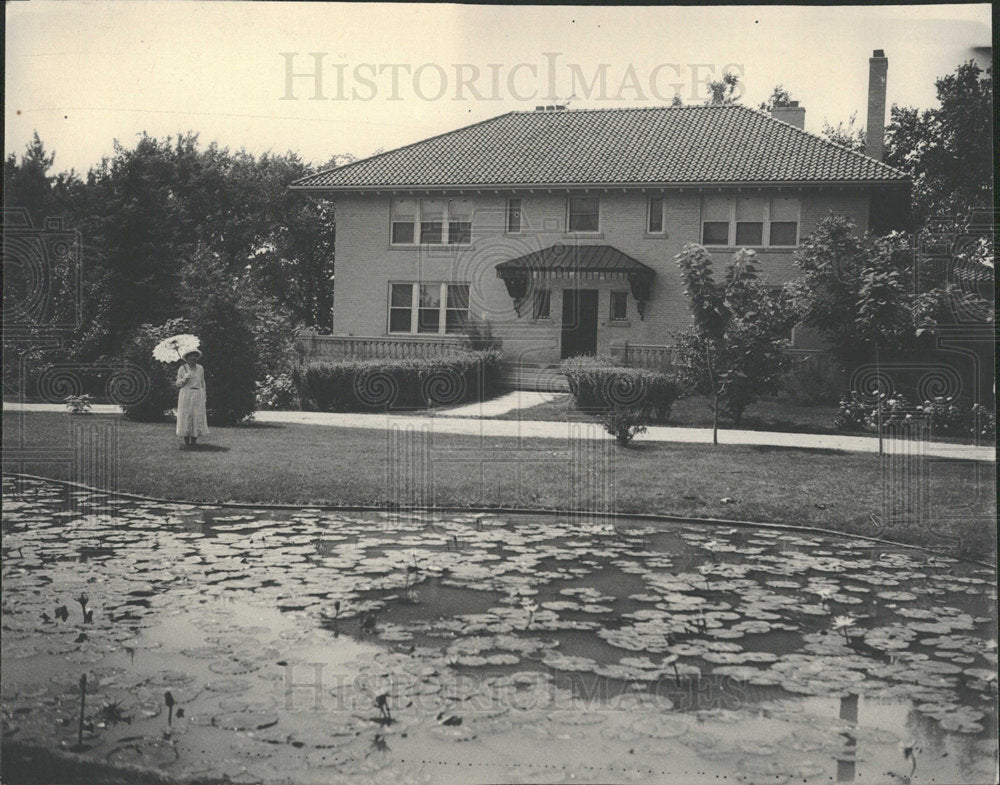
(735, 349)
(858, 291)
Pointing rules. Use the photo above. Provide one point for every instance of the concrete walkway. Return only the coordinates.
(535, 429)
(495, 407)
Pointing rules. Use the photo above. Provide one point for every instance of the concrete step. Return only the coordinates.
(534, 376)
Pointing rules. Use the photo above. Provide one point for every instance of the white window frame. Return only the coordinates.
(415, 306)
(663, 214)
(569, 199)
(765, 231)
(445, 228)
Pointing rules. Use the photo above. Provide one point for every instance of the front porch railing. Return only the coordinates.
(312, 346)
(643, 355)
(660, 358)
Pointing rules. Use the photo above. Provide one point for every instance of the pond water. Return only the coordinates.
(321, 647)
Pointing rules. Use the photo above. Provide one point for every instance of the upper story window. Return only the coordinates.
(431, 222)
(584, 214)
(655, 219)
(513, 216)
(750, 221)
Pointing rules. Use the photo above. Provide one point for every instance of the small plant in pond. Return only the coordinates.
(825, 594)
(844, 623)
(910, 752)
(530, 606)
(625, 424)
(671, 659)
(382, 704)
(113, 713)
(79, 404)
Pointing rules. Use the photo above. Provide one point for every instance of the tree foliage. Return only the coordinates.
(849, 134)
(947, 150)
(735, 349)
(147, 212)
(724, 91)
(779, 97)
(857, 290)
(212, 305)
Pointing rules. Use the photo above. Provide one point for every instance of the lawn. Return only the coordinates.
(694, 411)
(947, 505)
(767, 414)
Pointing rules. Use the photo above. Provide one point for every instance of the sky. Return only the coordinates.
(83, 74)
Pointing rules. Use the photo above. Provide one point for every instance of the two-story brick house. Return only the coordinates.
(561, 227)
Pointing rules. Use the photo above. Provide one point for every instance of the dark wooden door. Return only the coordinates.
(579, 322)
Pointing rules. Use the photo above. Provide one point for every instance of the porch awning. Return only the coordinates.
(582, 262)
(577, 263)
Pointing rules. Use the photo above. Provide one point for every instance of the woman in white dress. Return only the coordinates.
(192, 421)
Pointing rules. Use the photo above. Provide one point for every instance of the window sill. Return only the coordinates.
(425, 246)
(656, 236)
(583, 236)
(754, 248)
(620, 323)
(543, 320)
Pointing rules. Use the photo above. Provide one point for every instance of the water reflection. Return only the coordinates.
(846, 764)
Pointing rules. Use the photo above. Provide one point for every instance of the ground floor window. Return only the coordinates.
(428, 308)
(619, 306)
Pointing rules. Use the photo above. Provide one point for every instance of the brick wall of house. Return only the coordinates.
(366, 263)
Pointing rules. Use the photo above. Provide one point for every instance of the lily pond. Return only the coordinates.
(325, 647)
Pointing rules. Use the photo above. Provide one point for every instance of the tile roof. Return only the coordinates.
(580, 258)
(618, 147)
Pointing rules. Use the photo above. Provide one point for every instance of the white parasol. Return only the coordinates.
(174, 348)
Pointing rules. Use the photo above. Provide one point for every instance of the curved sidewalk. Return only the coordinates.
(536, 429)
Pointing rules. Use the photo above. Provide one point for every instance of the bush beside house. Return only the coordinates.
(598, 384)
(416, 383)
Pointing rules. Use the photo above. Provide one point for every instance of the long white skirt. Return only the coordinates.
(191, 417)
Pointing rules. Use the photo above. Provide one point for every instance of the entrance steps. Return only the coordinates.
(534, 376)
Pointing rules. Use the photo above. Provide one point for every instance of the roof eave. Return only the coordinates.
(631, 186)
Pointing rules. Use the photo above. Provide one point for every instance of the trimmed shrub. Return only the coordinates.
(160, 395)
(380, 385)
(625, 423)
(598, 384)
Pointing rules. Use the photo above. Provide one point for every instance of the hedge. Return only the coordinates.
(597, 383)
(380, 385)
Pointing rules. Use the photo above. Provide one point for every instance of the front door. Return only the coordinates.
(579, 322)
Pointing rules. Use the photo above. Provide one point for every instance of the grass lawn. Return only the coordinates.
(695, 411)
(769, 414)
(948, 505)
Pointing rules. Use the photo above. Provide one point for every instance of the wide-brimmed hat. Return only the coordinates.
(195, 352)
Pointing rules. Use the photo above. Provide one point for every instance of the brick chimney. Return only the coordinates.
(793, 114)
(878, 68)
